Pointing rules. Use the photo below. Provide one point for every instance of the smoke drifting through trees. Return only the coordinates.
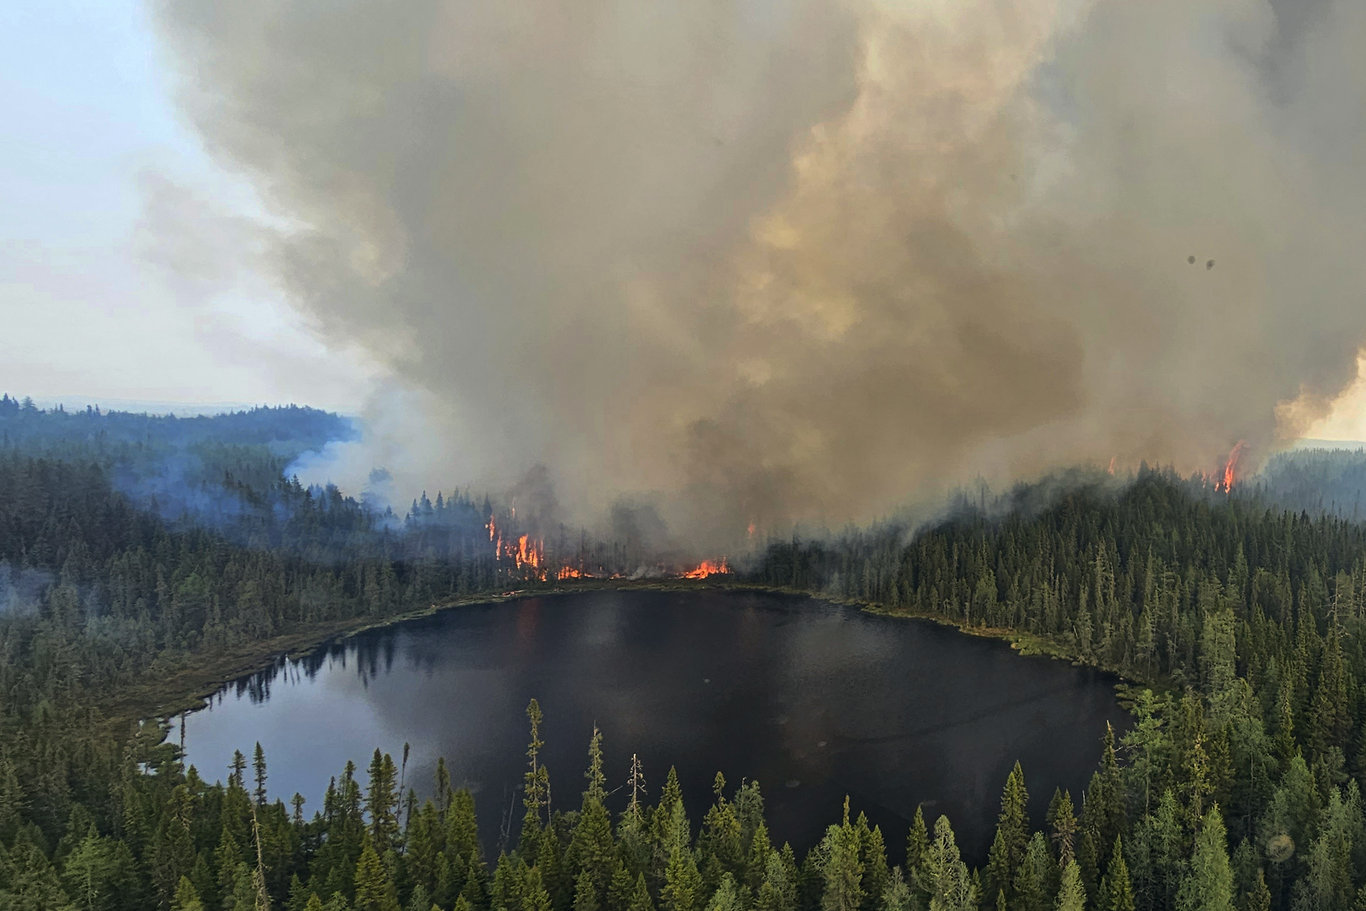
(773, 261)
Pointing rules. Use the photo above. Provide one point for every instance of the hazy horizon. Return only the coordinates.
(887, 249)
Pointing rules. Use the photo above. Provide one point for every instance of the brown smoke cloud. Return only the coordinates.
(804, 260)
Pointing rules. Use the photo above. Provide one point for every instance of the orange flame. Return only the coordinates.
(529, 552)
(1231, 468)
(708, 568)
(1111, 469)
(752, 529)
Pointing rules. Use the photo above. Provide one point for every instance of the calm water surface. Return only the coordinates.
(812, 700)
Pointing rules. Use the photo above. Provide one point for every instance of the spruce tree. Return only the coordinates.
(1012, 836)
(534, 894)
(897, 895)
(943, 875)
(374, 886)
(536, 797)
(778, 891)
(1116, 891)
(1063, 823)
(917, 842)
(682, 882)
(873, 857)
(1208, 885)
(381, 801)
(585, 895)
(726, 897)
(640, 896)
(1035, 881)
(186, 897)
(1071, 895)
(842, 871)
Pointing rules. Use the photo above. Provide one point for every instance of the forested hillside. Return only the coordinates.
(1317, 481)
(1238, 786)
(1248, 618)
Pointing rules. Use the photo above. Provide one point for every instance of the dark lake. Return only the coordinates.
(812, 700)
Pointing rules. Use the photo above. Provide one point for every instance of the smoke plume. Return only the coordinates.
(804, 260)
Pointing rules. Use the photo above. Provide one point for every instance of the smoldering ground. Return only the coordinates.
(767, 262)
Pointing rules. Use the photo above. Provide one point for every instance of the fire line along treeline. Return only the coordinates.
(1238, 787)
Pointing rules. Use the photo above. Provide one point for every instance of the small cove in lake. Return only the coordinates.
(813, 700)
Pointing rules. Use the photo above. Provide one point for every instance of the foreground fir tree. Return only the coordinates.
(841, 867)
(1012, 837)
(1116, 889)
(943, 875)
(1208, 886)
(1071, 895)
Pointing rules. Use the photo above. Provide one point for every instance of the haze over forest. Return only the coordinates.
(752, 264)
(1040, 320)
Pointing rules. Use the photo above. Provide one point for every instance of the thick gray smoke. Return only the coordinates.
(768, 261)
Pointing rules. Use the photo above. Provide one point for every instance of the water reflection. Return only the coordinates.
(812, 700)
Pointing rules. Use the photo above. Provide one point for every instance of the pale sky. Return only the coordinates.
(89, 311)
(91, 139)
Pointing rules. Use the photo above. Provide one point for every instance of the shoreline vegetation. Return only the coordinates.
(145, 561)
(190, 688)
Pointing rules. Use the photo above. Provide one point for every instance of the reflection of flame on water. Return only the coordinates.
(708, 568)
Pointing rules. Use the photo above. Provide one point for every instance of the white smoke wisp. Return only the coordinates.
(802, 261)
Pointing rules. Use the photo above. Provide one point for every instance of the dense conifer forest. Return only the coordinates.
(132, 548)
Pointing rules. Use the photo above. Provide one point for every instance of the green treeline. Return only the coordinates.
(167, 839)
(1238, 787)
(1249, 619)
